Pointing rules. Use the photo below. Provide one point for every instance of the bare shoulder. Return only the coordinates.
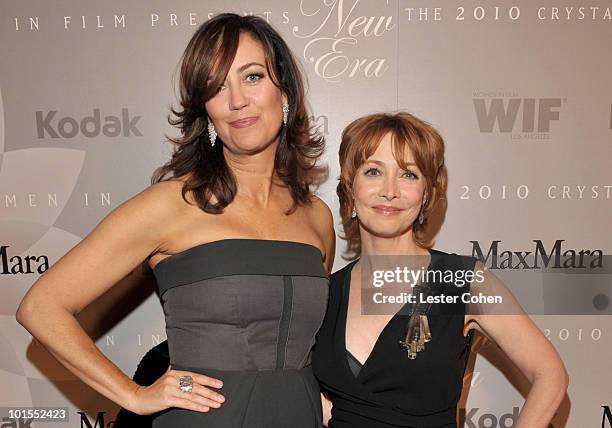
(323, 222)
(166, 195)
(321, 214)
(150, 211)
(158, 201)
(119, 243)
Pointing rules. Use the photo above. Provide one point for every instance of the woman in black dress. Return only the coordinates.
(405, 368)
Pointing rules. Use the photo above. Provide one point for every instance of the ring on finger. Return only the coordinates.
(186, 383)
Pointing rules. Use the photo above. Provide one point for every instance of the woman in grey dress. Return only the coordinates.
(238, 244)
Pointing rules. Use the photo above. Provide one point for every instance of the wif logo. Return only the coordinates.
(47, 125)
(523, 118)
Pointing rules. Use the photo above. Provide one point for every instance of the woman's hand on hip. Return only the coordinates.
(166, 393)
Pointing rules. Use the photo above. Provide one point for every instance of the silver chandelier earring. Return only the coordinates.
(285, 113)
(354, 213)
(212, 133)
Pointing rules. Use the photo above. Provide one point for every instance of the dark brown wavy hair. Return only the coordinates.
(203, 68)
(361, 138)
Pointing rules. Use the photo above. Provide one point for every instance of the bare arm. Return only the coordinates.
(327, 406)
(117, 245)
(532, 353)
(325, 222)
(325, 228)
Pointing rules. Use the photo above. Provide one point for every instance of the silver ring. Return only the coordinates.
(186, 383)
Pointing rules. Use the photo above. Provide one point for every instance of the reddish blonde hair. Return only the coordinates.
(361, 138)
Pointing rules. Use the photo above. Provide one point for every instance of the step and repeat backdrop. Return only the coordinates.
(520, 90)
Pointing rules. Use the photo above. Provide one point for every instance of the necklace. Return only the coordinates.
(417, 331)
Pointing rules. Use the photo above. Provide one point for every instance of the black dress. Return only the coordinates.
(390, 390)
(246, 311)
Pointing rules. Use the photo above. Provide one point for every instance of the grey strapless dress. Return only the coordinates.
(246, 311)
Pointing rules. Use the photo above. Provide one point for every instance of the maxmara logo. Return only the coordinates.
(14, 265)
(539, 257)
(606, 419)
(51, 125)
(99, 422)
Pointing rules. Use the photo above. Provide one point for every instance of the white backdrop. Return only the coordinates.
(520, 91)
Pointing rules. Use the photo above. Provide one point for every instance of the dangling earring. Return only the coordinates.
(421, 215)
(212, 133)
(285, 113)
(354, 213)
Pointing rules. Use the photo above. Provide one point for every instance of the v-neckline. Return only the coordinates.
(345, 296)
